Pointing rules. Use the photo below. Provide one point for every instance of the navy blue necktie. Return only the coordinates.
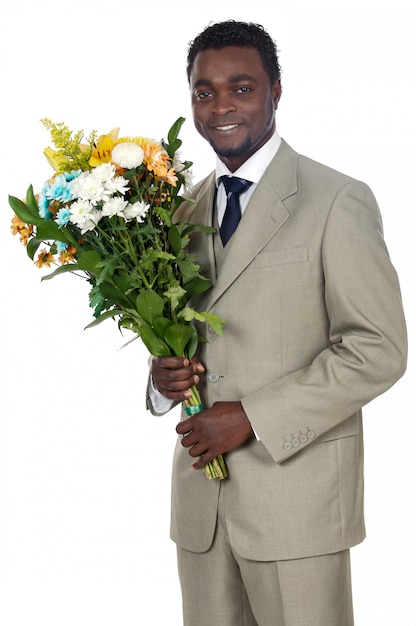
(234, 186)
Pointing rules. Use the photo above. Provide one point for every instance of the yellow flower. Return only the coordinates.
(60, 162)
(44, 258)
(19, 227)
(103, 147)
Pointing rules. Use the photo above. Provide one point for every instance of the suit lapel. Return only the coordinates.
(265, 215)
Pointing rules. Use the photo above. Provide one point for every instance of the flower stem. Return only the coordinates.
(215, 468)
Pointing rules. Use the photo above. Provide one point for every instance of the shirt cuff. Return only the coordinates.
(160, 403)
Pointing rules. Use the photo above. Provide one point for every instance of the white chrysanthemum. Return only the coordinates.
(117, 184)
(127, 155)
(114, 206)
(178, 166)
(84, 215)
(137, 211)
(89, 187)
(177, 162)
(103, 172)
(188, 180)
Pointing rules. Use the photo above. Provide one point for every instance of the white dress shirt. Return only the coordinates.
(252, 170)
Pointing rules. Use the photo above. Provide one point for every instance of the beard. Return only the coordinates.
(233, 151)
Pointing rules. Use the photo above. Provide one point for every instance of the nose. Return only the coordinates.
(223, 103)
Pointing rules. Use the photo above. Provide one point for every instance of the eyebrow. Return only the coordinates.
(232, 79)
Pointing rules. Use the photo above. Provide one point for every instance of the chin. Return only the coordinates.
(231, 151)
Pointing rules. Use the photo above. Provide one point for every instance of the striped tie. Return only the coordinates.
(234, 186)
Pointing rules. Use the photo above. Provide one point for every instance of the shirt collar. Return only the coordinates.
(254, 168)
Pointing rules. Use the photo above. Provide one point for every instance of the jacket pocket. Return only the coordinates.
(348, 428)
(282, 257)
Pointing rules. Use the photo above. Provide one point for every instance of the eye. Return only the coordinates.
(244, 89)
(203, 95)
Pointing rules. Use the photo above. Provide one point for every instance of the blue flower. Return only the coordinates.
(43, 204)
(60, 189)
(63, 216)
(61, 246)
(71, 175)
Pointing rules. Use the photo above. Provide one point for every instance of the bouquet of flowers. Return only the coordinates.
(107, 214)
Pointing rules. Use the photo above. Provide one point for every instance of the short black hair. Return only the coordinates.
(241, 34)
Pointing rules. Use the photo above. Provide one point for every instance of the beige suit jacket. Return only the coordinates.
(314, 331)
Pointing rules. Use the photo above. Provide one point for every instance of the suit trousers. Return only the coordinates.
(220, 587)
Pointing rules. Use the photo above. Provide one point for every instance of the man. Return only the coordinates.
(314, 331)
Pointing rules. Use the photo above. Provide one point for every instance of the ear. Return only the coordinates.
(277, 92)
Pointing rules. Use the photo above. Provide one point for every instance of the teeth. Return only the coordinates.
(229, 127)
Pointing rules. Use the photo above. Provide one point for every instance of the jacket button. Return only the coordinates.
(287, 446)
(213, 378)
(295, 442)
(303, 438)
(311, 434)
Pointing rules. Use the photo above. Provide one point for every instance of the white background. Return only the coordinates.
(84, 470)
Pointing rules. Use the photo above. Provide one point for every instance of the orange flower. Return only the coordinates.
(155, 158)
(67, 256)
(19, 227)
(171, 178)
(44, 258)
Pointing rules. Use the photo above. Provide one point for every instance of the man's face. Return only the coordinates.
(233, 102)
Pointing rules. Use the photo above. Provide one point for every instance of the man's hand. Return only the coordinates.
(212, 432)
(174, 376)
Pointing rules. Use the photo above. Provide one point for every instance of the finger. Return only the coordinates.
(196, 450)
(174, 385)
(170, 362)
(200, 464)
(185, 427)
(197, 365)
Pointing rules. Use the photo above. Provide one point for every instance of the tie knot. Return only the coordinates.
(233, 184)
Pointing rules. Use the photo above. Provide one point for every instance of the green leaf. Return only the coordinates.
(177, 336)
(32, 246)
(114, 294)
(174, 294)
(192, 344)
(199, 228)
(175, 129)
(188, 314)
(88, 262)
(149, 305)
(31, 203)
(155, 345)
(161, 324)
(122, 281)
(175, 239)
(103, 317)
(48, 230)
(214, 321)
(107, 266)
(197, 286)
(62, 269)
(97, 300)
(22, 211)
(188, 269)
(173, 142)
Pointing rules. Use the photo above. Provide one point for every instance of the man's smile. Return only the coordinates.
(226, 127)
